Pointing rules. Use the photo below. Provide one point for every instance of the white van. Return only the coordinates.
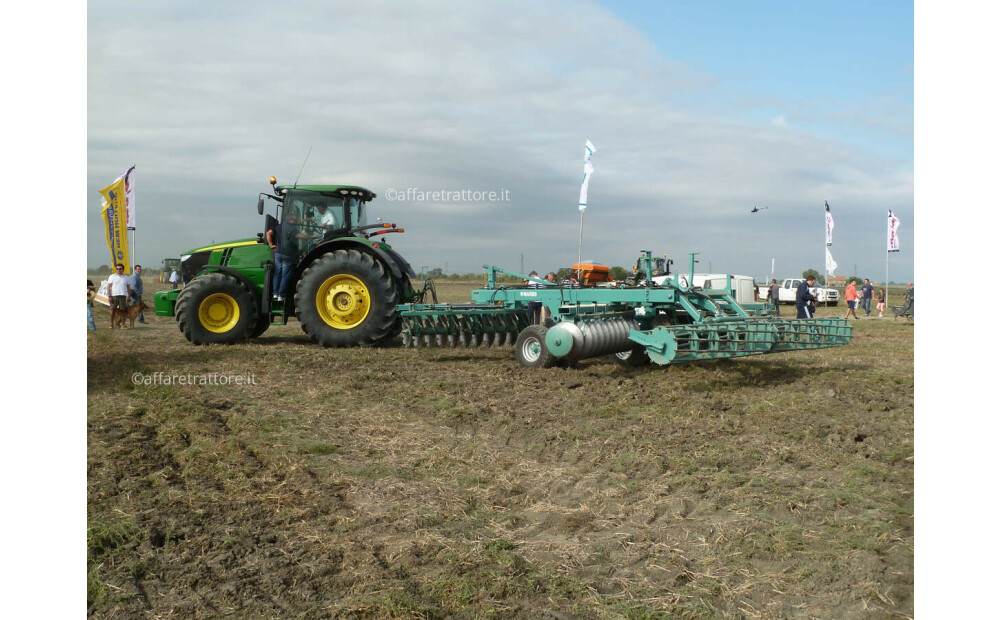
(741, 287)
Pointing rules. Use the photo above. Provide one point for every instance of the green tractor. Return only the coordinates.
(343, 285)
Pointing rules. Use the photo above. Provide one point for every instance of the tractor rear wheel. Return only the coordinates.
(530, 348)
(346, 298)
(216, 309)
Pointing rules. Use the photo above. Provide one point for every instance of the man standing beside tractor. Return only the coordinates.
(282, 265)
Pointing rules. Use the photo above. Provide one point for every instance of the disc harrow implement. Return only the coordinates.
(668, 323)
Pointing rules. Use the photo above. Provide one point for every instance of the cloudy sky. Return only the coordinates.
(699, 111)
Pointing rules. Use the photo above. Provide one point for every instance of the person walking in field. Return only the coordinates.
(803, 296)
(866, 297)
(174, 279)
(880, 306)
(118, 294)
(772, 296)
(851, 295)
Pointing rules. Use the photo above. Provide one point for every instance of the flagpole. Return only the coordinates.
(826, 223)
(579, 255)
(887, 277)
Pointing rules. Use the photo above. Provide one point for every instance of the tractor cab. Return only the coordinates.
(312, 213)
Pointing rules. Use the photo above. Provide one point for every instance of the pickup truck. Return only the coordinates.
(786, 294)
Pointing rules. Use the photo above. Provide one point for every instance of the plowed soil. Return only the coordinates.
(392, 482)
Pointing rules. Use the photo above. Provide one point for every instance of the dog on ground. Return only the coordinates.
(133, 313)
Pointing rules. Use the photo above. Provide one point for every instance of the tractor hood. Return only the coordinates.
(220, 246)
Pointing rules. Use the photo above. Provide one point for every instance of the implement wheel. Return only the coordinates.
(634, 357)
(216, 309)
(530, 348)
(346, 298)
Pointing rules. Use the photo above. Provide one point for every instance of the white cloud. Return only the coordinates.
(216, 98)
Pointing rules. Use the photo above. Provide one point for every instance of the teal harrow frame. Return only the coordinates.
(667, 323)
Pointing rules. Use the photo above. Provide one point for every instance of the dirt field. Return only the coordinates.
(389, 482)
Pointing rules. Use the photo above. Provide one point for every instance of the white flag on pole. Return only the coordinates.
(588, 170)
(831, 265)
(893, 238)
(130, 198)
(829, 224)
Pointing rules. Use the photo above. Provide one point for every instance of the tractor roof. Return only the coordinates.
(360, 192)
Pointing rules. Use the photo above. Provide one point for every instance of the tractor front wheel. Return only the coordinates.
(346, 298)
(216, 309)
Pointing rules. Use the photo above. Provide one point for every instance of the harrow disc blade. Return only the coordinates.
(452, 341)
(439, 340)
(477, 339)
(406, 338)
(463, 338)
(427, 340)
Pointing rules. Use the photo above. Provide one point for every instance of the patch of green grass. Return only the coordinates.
(320, 449)
(104, 536)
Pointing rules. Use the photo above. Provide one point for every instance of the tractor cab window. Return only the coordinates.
(358, 214)
(308, 217)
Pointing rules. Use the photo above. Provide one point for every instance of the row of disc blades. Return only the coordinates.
(463, 330)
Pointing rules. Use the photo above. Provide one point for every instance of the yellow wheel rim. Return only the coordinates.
(219, 313)
(343, 301)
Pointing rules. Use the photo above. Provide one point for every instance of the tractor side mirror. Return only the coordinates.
(260, 205)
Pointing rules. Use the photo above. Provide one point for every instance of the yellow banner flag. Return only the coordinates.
(113, 216)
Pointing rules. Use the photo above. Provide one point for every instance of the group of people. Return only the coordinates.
(865, 300)
(805, 300)
(123, 291)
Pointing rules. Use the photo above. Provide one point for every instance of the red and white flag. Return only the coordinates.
(893, 236)
(829, 224)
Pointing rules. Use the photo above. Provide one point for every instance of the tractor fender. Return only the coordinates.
(392, 261)
(229, 271)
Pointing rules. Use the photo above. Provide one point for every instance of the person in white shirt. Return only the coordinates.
(118, 293)
(324, 219)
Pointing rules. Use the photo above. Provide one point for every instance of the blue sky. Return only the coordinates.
(699, 111)
(838, 69)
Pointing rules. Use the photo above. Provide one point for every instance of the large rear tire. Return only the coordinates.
(346, 298)
(216, 309)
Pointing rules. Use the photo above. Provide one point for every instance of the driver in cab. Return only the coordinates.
(322, 222)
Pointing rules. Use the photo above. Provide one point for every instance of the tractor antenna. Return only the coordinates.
(296, 183)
